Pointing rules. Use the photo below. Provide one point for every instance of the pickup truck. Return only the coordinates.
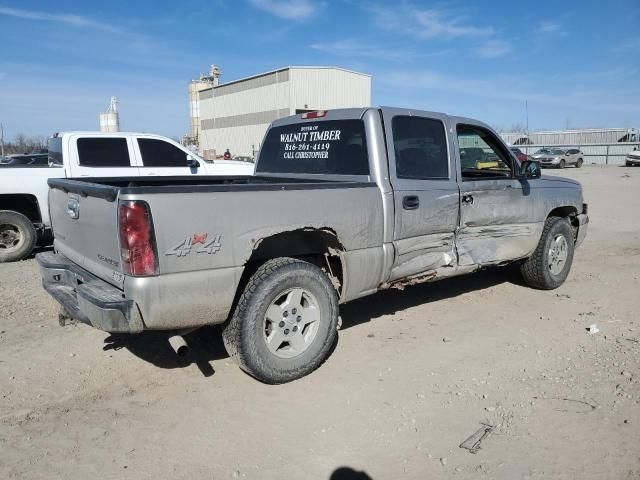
(24, 218)
(344, 203)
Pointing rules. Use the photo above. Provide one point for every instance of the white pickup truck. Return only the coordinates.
(24, 216)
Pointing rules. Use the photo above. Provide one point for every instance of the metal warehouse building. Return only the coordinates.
(235, 115)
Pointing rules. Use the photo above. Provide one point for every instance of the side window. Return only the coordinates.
(420, 147)
(158, 153)
(103, 152)
(481, 154)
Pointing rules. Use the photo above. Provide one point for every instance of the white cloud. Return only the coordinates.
(426, 22)
(69, 19)
(494, 49)
(548, 26)
(356, 48)
(289, 9)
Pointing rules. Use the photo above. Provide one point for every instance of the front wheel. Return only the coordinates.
(551, 261)
(561, 164)
(285, 323)
(17, 236)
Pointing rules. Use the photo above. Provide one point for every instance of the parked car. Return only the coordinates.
(345, 203)
(559, 157)
(633, 158)
(520, 155)
(24, 217)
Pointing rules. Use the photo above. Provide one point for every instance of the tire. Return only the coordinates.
(561, 164)
(267, 316)
(17, 236)
(537, 270)
(579, 163)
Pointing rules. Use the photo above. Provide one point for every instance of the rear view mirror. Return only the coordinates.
(529, 169)
(192, 162)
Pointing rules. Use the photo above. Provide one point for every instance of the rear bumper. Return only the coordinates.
(583, 222)
(87, 298)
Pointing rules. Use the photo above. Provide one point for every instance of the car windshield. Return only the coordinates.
(557, 151)
(543, 150)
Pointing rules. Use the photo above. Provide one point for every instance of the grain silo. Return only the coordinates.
(109, 120)
(195, 87)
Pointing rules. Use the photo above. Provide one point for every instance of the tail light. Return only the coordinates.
(137, 240)
(314, 114)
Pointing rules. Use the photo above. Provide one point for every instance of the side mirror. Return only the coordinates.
(529, 169)
(192, 162)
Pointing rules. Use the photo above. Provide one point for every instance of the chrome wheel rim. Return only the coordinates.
(291, 323)
(558, 253)
(10, 237)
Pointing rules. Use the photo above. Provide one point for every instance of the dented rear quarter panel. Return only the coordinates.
(199, 287)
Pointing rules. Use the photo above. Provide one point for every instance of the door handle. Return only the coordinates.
(467, 199)
(410, 202)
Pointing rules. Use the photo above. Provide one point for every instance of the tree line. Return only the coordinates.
(25, 144)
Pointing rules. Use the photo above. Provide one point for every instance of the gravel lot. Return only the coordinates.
(414, 373)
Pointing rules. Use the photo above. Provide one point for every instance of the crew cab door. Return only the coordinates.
(101, 156)
(497, 219)
(426, 196)
(160, 157)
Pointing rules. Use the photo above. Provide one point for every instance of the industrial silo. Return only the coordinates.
(109, 120)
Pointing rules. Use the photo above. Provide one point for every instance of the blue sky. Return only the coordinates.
(577, 63)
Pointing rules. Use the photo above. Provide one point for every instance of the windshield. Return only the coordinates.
(542, 151)
(332, 147)
(557, 152)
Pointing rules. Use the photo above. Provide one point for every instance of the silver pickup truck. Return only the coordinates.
(344, 203)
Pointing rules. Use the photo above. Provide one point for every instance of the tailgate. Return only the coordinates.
(84, 218)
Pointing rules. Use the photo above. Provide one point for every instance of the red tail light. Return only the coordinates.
(314, 114)
(137, 241)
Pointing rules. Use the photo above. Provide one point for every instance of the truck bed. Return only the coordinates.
(109, 188)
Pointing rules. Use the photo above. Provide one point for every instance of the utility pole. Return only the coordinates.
(526, 111)
(1, 140)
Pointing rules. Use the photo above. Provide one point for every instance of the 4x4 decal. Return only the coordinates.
(201, 242)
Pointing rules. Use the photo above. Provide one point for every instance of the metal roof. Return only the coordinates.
(291, 67)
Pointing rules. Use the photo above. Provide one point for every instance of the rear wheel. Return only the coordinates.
(551, 261)
(579, 163)
(285, 322)
(17, 236)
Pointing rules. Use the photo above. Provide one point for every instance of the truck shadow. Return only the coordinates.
(389, 302)
(205, 344)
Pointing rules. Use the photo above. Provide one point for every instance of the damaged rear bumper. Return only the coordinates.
(86, 297)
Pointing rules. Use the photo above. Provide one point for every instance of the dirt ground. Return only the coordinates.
(414, 373)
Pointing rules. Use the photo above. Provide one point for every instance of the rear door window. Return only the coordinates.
(421, 148)
(103, 152)
(158, 153)
(332, 147)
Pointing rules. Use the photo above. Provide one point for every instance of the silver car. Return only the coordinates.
(559, 157)
(633, 158)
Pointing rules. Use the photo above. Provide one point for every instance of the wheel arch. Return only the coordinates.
(319, 246)
(24, 203)
(569, 212)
